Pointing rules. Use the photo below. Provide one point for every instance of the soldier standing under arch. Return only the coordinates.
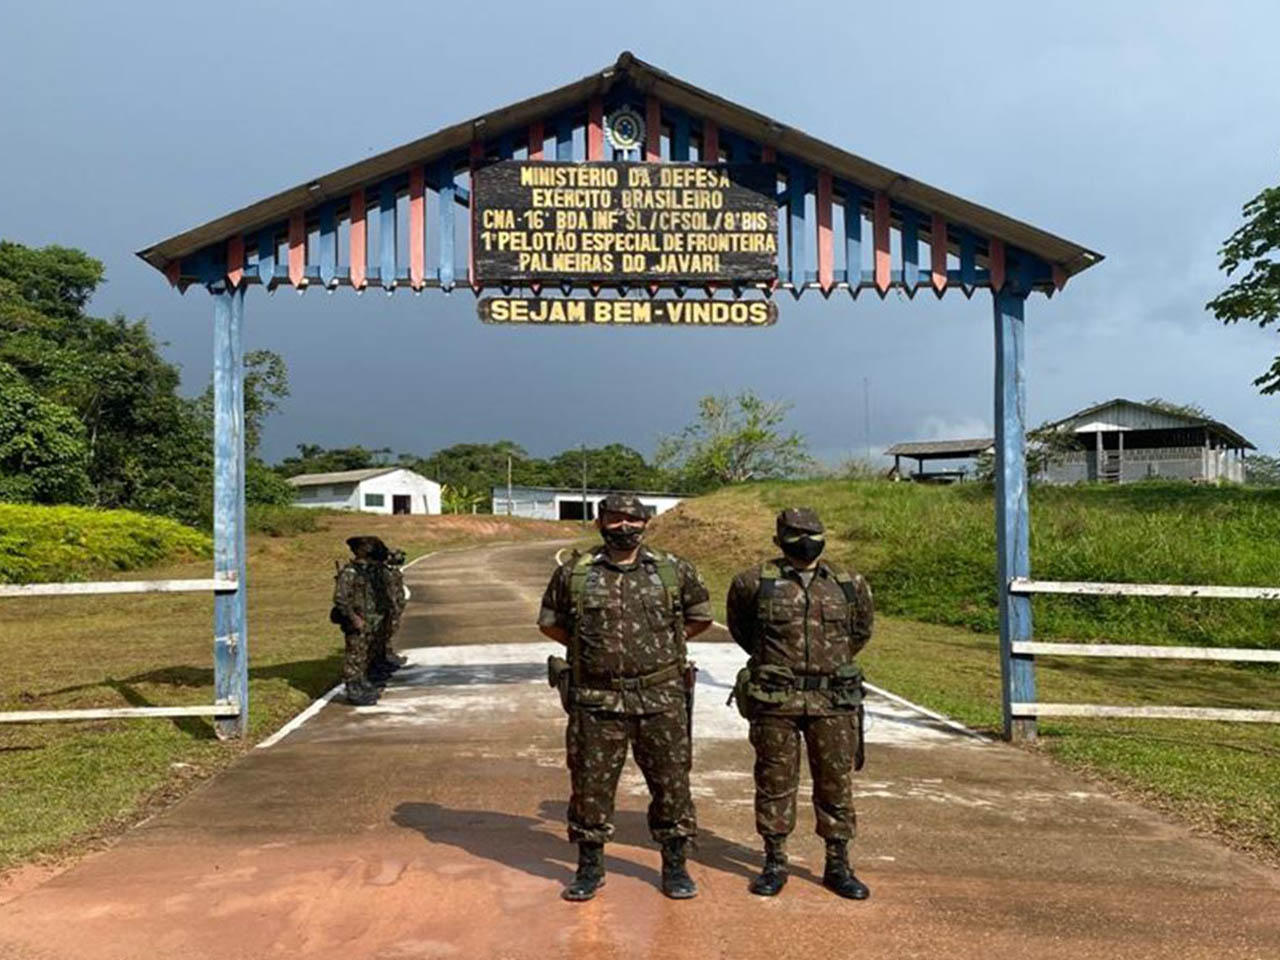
(802, 621)
(624, 611)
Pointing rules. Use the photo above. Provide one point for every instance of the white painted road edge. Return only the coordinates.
(946, 721)
(317, 705)
(320, 704)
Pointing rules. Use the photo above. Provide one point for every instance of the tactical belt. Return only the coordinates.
(637, 683)
(814, 681)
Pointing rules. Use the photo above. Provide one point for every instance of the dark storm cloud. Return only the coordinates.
(1135, 129)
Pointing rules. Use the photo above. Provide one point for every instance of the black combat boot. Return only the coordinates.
(360, 693)
(774, 875)
(590, 875)
(676, 882)
(838, 875)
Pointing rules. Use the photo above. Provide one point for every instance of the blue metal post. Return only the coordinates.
(230, 636)
(1013, 518)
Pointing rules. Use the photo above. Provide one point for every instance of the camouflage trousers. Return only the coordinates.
(831, 743)
(380, 642)
(596, 748)
(355, 658)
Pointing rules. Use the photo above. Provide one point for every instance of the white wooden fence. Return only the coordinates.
(229, 707)
(1025, 586)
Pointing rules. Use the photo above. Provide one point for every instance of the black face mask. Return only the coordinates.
(622, 538)
(804, 550)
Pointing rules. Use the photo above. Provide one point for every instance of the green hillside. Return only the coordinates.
(929, 553)
(73, 543)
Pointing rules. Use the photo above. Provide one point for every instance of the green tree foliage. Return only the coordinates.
(1254, 297)
(43, 456)
(313, 458)
(735, 439)
(145, 447)
(1261, 470)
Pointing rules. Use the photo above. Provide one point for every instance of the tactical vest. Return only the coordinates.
(665, 566)
(771, 573)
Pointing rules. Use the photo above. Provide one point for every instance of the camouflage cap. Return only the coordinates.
(626, 503)
(800, 519)
(373, 546)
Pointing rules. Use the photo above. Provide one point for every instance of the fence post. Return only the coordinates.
(230, 637)
(1017, 673)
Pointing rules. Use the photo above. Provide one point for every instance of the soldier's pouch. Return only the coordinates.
(846, 686)
(559, 674)
(740, 697)
(335, 616)
(771, 684)
(589, 697)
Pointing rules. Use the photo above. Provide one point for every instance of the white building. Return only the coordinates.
(375, 490)
(565, 503)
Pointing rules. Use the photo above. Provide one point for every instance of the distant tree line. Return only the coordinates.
(90, 414)
(733, 440)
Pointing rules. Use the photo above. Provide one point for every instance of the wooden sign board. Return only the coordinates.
(675, 224)
(553, 311)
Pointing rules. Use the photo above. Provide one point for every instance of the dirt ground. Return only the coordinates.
(431, 826)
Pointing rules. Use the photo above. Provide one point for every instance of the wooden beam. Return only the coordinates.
(329, 245)
(445, 190)
(1025, 585)
(358, 241)
(537, 140)
(938, 254)
(388, 266)
(229, 709)
(1013, 551)
(474, 159)
(417, 227)
(1146, 713)
(853, 237)
(229, 662)
(101, 587)
(298, 249)
(235, 260)
(1149, 652)
(880, 237)
(652, 130)
(910, 235)
(995, 263)
(710, 152)
(595, 127)
(797, 263)
(826, 240)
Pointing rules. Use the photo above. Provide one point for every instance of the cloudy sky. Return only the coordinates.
(1136, 129)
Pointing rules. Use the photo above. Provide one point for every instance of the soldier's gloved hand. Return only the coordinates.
(357, 622)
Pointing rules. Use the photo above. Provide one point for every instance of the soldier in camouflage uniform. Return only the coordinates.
(625, 611)
(384, 661)
(357, 609)
(802, 621)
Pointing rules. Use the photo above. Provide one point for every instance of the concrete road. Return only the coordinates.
(431, 826)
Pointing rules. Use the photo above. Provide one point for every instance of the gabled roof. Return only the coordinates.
(342, 476)
(941, 449)
(979, 236)
(1184, 419)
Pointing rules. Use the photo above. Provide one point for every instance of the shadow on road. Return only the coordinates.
(537, 846)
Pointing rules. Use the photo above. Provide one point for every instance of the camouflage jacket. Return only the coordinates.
(811, 630)
(629, 625)
(391, 589)
(356, 594)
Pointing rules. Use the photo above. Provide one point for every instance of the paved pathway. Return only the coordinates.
(431, 826)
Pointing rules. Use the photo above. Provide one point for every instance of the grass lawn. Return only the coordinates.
(65, 785)
(1222, 777)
